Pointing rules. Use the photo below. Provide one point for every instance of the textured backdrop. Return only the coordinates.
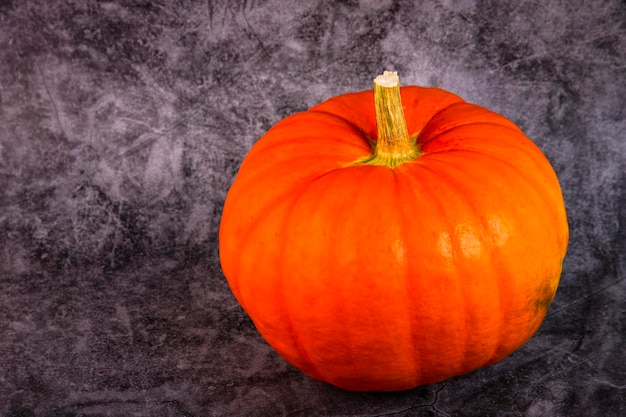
(122, 125)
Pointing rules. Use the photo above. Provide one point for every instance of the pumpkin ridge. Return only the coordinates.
(464, 125)
(302, 187)
(497, 269)
(539, 187)
(414, 97)
(468, 330)
(313, 368)
(451, 184)
(507, 313)
(356, 130)
(356, 127)
(267, 170)
(532, 154)
(273, 147)
(433, 116)
(303, 355)
(414, 325)
(263, 169)
(298, 344)
(349, 346)
(501, 147)
(462, 113)
(439, 206)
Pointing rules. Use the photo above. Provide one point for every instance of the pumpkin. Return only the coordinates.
(393, 238)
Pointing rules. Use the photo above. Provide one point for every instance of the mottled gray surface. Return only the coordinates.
(123, 123)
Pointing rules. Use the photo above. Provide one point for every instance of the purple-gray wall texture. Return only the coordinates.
(123, 123)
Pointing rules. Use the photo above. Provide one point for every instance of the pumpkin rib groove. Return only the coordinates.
(476, 213)
(412, 97)
(494, 261)
(351, 146)
(512, 152)
(268, 172)
(344, 120)
(507, 312)
(451, 182)
(505, 162)
(540, 187)
(434, 116)
(492, 154)
(331, 147)
(424, 190)
(359, 112)
(304, 356)
(416, 371)
(306, 184)
(260, 213)
(266, 175)
(297, 120)
(355, 140)
(313, 368)
(451, 130)
(350, 350)
(302, 188)
(440, 207)
(329, 258)
(464, 114)
(281, 295)
(468, 326)
(326, 145)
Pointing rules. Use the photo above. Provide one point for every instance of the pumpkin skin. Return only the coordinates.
(381, 279)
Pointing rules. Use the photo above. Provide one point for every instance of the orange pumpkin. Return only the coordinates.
(380, 244)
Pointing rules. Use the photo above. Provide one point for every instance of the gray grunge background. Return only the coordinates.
(123, 123)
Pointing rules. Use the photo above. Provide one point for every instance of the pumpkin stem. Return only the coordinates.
(394, 146)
